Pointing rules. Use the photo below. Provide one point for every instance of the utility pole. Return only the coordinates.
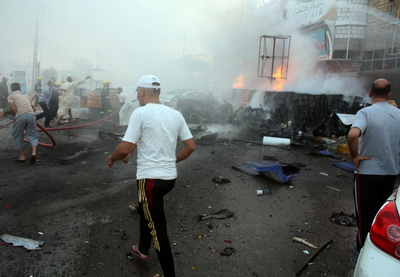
(36, 64)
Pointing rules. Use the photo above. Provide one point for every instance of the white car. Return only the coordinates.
(380, 255)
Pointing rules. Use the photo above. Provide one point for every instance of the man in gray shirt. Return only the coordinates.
(374, 141)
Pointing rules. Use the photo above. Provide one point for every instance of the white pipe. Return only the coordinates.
(276, 141)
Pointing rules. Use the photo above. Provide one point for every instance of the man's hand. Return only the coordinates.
(121, 153)
(358, 159)
(110, 161)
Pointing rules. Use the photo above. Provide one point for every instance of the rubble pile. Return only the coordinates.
(286, 113)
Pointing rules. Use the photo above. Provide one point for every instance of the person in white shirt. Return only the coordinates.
(154, 130)
(128, 101)
(67, 89)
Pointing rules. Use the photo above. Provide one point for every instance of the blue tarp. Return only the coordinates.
(273, 170)
(347, 166)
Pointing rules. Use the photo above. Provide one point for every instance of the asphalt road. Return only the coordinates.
(78, 207)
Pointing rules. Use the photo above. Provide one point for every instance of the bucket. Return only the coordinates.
(276, 141)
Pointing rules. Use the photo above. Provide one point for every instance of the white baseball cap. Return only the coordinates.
(149, 81)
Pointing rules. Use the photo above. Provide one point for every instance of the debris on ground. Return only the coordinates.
(271, 169)
(344, 219)
(62, 162)
(227, 251)
(264, 191)
(221, 179)
(298, 273)
(345, 166)
(303, 241)
(332, 188)
(29, 244)
(110, 136)
(221, 214)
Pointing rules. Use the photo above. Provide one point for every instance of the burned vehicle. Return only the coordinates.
(195, 106)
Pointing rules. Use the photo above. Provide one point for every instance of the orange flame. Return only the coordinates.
(239, 83)
(278, 79)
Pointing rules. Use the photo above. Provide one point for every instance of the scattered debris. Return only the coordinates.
(110, 136)
(345, 166)
(329, 187)
(263, 191)
(271, 169)
(303, 241)
(221, 179)
(274, 141)
(323, 153)
(344, 219)
(62, 162)
(323, 173)
(298, 273)
(29, 244)
(222, 214)
(227, 251)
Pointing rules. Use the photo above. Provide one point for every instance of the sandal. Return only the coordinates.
(18, 160)
(33, 159)
(135, 250)
(133, 208)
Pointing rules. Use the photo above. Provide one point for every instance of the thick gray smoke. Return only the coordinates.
(131, 38)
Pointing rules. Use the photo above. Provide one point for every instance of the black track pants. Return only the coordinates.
(153, 224)
(370, 193)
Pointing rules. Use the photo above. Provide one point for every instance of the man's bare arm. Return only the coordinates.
(122, 152)
(189, 146)
(352, 143)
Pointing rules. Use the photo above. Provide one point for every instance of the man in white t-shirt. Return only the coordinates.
(153, 130)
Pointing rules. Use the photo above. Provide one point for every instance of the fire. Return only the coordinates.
(278, 79)
(239, 83)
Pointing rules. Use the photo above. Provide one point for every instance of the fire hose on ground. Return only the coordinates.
(48, 130)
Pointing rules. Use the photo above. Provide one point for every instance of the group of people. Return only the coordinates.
(48, 97)
(24, 107)
(153, 130)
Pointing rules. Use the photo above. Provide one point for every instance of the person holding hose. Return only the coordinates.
(67, 89)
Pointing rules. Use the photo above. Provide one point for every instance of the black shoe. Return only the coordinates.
(33, 159)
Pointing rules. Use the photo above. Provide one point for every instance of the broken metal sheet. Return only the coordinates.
(272, 170)
(347, 119)
(245, 170)
(29, 244)
(345, 166)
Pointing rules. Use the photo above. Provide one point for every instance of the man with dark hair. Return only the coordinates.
(374, 141)
(44, 102)
(24, 121)
(154, 129)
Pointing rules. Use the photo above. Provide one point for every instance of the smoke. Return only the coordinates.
(131, 38)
